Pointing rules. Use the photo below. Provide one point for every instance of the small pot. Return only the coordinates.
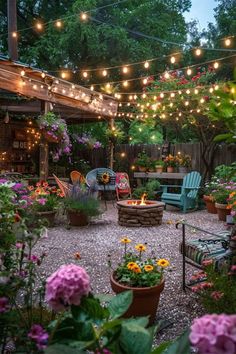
(159, 169)
(222, 211)
(210, 204)
(142, 169)
(145, 300)
(170, 169)
(48, 215)
(77, 218)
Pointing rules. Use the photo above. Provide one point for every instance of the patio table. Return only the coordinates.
(156, 175)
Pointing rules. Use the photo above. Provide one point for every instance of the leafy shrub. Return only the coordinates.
(150, 188)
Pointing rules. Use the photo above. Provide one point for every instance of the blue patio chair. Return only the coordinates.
(187, 197)
(95, 176)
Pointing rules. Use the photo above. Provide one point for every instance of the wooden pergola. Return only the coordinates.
(39, 92)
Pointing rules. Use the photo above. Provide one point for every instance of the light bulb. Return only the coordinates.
(146, 65)
(125, 83)
(125, 69)
(130, 97)
(58, 24)
(227, 42)
(172, 60)
(198, 52)
(63, 75)
(22, 73)
(216, 65)
(189, 71)
(145, 81)
(186, 103)
(39, 26)
(202, 100)
(84, 16)
(211, 89)
(43, 75)
(14, 34)
(73, 87)
(92, 88)
(104, 73)
(172, 94)
(216, 87)
(144, 95)
(85, 74)
(162, 95)
(196, 91)
(188, 92)
(166, 75)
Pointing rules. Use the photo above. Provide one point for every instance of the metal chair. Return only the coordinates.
(64, 187)
(76, 177)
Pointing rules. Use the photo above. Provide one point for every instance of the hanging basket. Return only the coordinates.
(49, 138)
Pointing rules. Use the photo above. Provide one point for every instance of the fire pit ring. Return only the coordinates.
(132, 213)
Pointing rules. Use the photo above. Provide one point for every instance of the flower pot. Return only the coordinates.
(222, 211)
(77, 218)
(48, 215)
(159, 169)
(210, 204)
(142, 169)
(170, 169)
(145, 300)
(183, 169)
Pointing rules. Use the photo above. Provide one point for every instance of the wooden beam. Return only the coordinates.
(61, 93)
(43, 149)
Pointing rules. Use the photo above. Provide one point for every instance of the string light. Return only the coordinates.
(172, 60)
(162, 95)
(216, 87)
(58, 24)
(14, 34)
(125, 70)
(22, 73)
(104, 73)
(83, 16)
(186, 103)
(211, 89)
(85, 74)
(144, 95)
(227, 42)
(63, 75)
(196, 91)
(146, 64)
(172, 95)
(39, 26)
(43, 75)
(202, 100)
(92, 88)
(188, 92)
(189, 71)
(122, 154)
(216, 65)
(166, 75)
(125, 83)
(145, 81)
(198, 52)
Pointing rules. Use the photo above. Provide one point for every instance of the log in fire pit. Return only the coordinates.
(138, 213)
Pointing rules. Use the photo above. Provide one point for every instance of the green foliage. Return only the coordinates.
(142, 133)
(52, 202)
(226, 173)
(83, 200)
(221, 195)
(150, 188)
(143, 160)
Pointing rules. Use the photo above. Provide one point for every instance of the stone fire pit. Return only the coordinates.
(133, 213)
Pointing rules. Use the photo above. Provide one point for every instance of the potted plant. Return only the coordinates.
(184, 162)
(143, 277)
(45, 201)
(159, 166)
(152, 165)
(151, 188)
(142, 161)
(81, 204)
(170, 163)
(208, 197)
(221, 196)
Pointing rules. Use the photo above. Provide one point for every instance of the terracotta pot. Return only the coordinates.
(142, 169)
(48, 215)
(77, 218)
(222, 211)
(159, 169)
(145, 300)
(170, 169)
(210, 204)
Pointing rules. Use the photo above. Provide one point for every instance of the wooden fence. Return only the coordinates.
(125, 155)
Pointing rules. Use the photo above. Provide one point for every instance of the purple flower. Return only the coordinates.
(42, 201)
(33, 259)
(67, 286)
(66, 150)
(214, 334)
(4, 304)
(39, 335)
(19, 245)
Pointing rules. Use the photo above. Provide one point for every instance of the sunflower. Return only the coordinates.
(148, 268)
(125, 240)
(163, 263)
(131, 265)
(140, 247)
(105, 178)
(136, 269)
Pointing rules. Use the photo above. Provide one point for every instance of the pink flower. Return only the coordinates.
(4, 304)
(19, 245)
(39, 335)
(214, 334)
(207, 262)
(233, 268)
(33, 259)
(67, 286)
(42, 201)
(217, 295)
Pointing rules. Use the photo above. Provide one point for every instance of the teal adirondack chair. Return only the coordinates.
(187, 198)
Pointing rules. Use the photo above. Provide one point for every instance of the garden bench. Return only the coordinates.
(194, 252)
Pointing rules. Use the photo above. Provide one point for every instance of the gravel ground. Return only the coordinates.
(101, 237)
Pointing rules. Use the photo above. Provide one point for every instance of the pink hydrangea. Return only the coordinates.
(214, 334)
(67, 286)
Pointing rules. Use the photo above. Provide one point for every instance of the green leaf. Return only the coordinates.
(135, 339)
(120, 304)
(62, 349)
(90, 308)
(141, 321)
(222, 137)
(181, 345)
(111, 324)
(161, 348)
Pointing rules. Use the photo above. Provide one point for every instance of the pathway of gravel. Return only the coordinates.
(101, 237)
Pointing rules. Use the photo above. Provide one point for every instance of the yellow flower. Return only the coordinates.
(131, 265)
(232, 194)
(105, 178)
(136, 269)
(140, 247)
(163, 263)
(148, 268)
(125, 240)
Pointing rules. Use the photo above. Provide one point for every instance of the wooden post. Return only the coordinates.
(111, 146)
(43, 149)
(12, 29)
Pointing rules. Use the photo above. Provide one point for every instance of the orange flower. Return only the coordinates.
(148, 268)
(136, 269)
(30, 188)
(125, 240)
(232, 194)
(140, 247)
(131, 265)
